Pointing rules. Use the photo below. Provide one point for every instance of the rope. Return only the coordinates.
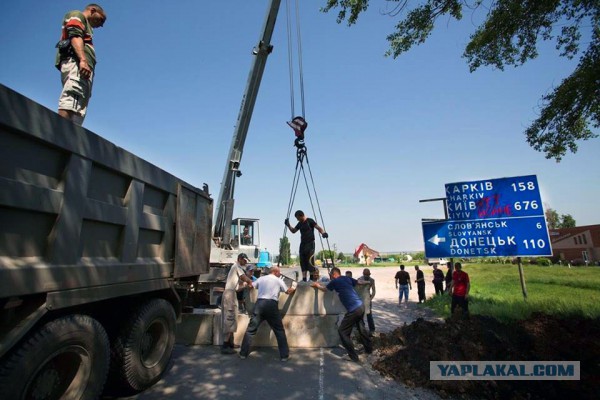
(301, 156)
(290, 56)
(291, 59)
(300, 70)
(301, 152)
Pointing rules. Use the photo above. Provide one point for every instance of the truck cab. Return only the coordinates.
(245, 236)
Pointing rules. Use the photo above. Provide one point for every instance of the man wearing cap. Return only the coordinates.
(229, 302)
(267, 309)
(243, 288)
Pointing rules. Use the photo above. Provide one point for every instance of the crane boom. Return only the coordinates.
(225, 203)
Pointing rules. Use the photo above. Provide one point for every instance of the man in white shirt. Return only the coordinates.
(266, 309)
(229, 302)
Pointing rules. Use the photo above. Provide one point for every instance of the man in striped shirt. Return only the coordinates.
(76, 60)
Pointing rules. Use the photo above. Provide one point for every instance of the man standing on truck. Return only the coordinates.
(229, 302)
(306, 226)
(76, 60)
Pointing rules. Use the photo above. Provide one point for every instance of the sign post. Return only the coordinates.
(522, 277)
(488, 218)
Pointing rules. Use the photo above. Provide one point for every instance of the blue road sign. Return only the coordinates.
(525, 236)
(488, 218)
(494, 198)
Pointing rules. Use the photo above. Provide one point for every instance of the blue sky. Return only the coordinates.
(382, 133)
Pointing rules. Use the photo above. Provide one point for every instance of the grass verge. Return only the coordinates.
(496, 291)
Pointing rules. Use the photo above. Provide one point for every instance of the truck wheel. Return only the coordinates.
(67, 358)
(142, 350)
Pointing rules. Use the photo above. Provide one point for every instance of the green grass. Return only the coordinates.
(496, 291)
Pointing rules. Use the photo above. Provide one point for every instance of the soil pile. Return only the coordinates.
(405, 354)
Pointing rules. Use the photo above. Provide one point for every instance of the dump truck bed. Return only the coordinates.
(77, 211)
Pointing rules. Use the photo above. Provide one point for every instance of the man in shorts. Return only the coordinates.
(229, 302)
(76, 60)
(307, 227)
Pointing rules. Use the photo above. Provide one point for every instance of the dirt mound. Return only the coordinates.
(405, 354)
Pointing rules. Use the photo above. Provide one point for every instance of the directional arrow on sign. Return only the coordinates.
(437, 240)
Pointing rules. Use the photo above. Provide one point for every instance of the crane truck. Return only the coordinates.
(99, 249)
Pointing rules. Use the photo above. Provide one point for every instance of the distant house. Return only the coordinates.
(365, 254)
(579, 244)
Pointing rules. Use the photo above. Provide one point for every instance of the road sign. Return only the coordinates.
(525, 236)
(494, 217)
(494, 198)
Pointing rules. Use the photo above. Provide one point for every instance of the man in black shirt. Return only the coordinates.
(306, 226)
(403, 279)
(420, 284)
(448, 276)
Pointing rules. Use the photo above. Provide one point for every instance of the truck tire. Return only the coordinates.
(142, 350)
(67, 358)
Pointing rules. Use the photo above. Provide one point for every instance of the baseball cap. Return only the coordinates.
(244, 256)
(249, 268)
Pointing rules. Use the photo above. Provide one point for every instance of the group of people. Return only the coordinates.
(266, 308)
(269, 287)
(457, 285)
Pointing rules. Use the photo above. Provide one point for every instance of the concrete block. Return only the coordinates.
(196, 328)
(310, 318)
(242, 322)
(305, 301)
(310, 301)
(301, 331)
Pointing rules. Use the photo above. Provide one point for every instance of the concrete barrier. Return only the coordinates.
(310, 319)
(198, 327)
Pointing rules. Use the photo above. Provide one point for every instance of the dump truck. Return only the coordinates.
(97, 250)
(100, 250)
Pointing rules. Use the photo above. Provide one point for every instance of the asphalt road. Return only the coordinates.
(201, 372)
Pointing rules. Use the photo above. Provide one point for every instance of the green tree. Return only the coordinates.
(567, 221)
(508, 37)
(341, 257)
(284, 251)
(552, 218)
(323, 254)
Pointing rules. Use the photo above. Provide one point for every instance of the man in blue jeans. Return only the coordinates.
(344, 286)
(267, 309)
(403, 279)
